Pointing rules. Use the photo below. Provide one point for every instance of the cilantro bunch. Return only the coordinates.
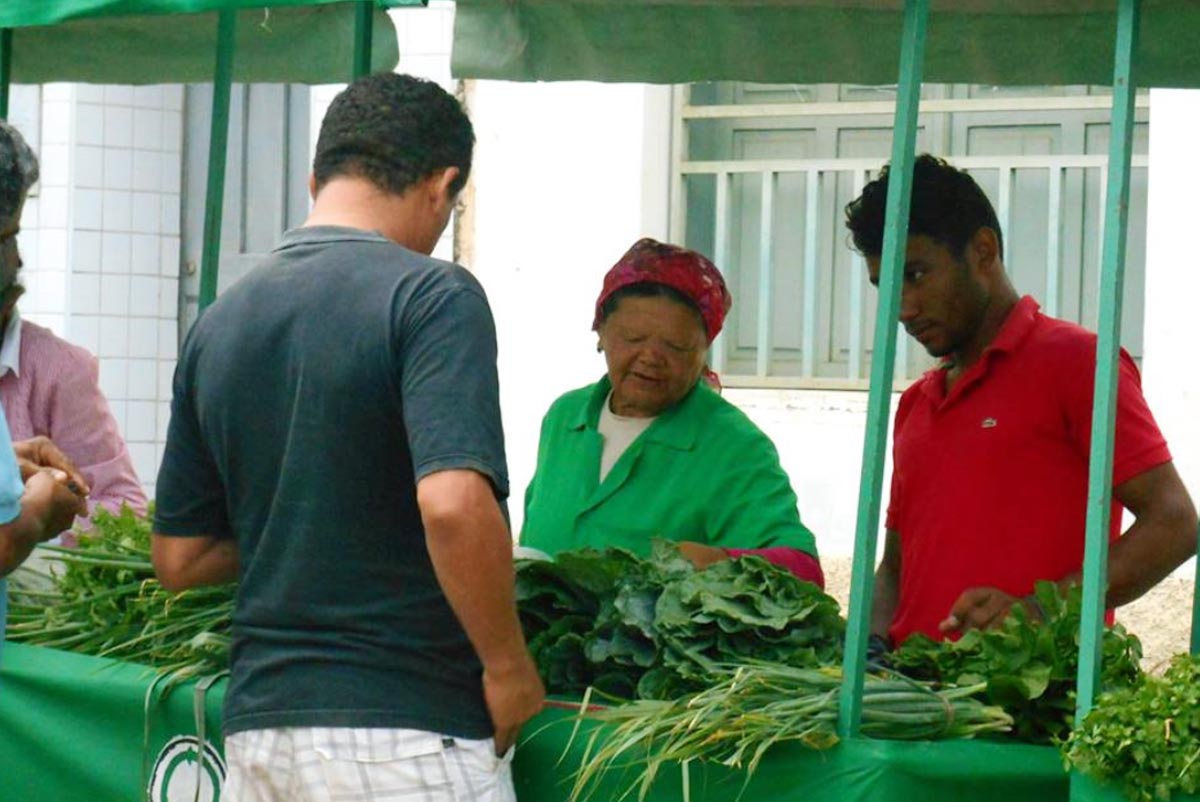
(1145, 738)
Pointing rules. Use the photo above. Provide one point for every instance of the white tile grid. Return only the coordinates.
(101, 244)
(114, 347)
(145, 251)
(51, 251)
(56, 121)
(85, 294)
(144, 458)
(141, 424)
(89, 166)
(143, 380)
(84, 331)
(52, 206)
(53, 163)
(30, 215)
(168, 339)
(143, 298)
(116, 180)
(143, 344)
(118, 168)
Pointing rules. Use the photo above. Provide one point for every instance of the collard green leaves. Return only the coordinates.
(657, 628)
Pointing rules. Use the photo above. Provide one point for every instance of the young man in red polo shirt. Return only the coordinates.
(991, 447)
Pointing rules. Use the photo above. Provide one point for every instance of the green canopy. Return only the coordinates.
(135, 42)
(1008, 42)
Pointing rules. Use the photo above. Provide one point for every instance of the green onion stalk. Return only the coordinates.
(751, 708)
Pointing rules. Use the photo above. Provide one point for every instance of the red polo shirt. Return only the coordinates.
(990, 481)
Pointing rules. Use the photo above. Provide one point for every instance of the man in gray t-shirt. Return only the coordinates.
(335, 446)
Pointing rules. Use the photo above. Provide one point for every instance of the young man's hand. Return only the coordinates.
(513, 695)
(983, 608)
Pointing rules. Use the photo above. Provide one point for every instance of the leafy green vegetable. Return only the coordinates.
(657, 628)
(102, 598)
(1145, 738)
(1029, 666)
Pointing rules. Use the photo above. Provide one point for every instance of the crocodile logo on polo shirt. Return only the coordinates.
(988, 423)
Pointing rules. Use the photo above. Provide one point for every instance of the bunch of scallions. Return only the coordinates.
(101, 598)
(751, 708)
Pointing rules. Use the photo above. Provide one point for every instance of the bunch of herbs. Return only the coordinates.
(1146, 738)
(102, 598)
(1027, 665)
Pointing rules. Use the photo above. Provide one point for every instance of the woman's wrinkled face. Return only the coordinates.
(655, 349)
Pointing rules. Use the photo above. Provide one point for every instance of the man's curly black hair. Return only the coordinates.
(947, 206)
(393, 130)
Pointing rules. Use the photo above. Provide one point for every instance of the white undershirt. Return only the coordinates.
(618, 433)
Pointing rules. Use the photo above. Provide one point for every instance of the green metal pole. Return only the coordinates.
(364, 23)
(1196, 608)
(218, 144)
(1112, 274)
(895, 244)
(5, 69)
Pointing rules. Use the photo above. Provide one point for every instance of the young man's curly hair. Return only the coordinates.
(393, 130)
(947, 206)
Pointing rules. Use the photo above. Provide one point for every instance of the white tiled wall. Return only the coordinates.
(100, 241)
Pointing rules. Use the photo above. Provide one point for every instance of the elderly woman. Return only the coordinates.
(651, 450)
(48, 387)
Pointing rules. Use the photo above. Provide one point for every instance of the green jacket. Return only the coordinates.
(702, 472)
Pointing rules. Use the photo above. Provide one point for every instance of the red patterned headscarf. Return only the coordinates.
(649, 261)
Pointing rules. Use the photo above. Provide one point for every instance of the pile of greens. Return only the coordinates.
(748, 709)
(1029, 666)
(658, 628)
(102, 598)
(1145, 738)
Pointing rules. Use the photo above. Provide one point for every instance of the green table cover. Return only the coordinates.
(73, 728)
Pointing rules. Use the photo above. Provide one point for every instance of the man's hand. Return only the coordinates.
(37, 453)
(48, 491)
(701, 555)
(983, 608)
(513, 696)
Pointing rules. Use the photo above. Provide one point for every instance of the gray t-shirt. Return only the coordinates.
(308, 401)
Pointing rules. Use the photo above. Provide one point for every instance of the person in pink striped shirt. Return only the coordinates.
(49, 387)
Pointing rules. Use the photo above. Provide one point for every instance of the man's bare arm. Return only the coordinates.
(471, 550)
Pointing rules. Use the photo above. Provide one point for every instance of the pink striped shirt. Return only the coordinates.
(55, 392)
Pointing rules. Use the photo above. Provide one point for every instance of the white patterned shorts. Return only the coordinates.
(342, 764)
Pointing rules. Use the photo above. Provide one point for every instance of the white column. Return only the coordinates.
(1171, 369)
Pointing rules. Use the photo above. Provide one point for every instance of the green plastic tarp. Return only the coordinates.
(1005, 42)
(861, 770)
(174, 41)
(73, 727)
